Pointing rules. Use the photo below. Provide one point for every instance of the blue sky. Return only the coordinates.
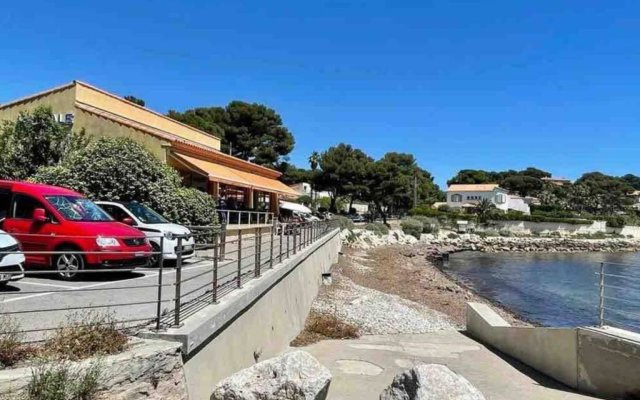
(484, 84)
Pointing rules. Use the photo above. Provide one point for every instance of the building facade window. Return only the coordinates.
(501, 198)
(456, 198)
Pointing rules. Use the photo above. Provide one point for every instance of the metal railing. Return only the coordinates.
(184, 280)
(619, 295)
(237, 217)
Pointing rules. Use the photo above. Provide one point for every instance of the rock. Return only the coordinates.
(292, 376)
(430, 382)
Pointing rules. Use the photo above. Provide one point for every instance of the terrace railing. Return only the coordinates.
(155, 297)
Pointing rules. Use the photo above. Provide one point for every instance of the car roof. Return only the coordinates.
(37, 188)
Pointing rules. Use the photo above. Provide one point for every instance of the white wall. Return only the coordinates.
(528, 228)
(518, 204)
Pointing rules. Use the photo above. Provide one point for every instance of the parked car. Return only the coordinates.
(154, 226)
(49, 218)
(11, 259)
(356, 218)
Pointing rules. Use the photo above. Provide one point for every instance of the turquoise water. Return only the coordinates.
(556, 289)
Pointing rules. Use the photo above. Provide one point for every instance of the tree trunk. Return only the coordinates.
(332, 207)
(350, 205)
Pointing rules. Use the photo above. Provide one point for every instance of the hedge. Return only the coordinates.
(119, 169)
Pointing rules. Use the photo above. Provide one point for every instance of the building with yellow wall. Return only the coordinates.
(194, 153)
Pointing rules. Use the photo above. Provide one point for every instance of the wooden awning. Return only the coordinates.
(232, 176)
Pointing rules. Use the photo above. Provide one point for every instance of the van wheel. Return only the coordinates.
(67, 264)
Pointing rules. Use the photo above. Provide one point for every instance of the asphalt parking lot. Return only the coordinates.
(42, 303)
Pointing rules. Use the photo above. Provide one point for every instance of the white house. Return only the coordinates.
(304, 189)
(635, 195)
(468, 196)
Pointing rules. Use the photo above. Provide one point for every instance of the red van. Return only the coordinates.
(49, 218)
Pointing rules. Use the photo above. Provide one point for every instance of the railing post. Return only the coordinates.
(281, 239)
(176, 313)
(223, 240)
(258, 252)
(295, 238)
(286, 226)
(601, 305)
(160, 265)
(273, 228)
(216, 258)
(239, 258)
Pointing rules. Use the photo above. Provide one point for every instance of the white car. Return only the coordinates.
(12, 262)
(154, 226)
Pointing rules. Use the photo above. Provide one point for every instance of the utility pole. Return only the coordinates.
(415, 189)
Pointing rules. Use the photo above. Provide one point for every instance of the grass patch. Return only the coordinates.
(60, 381)
(322, 327)
(87, 335)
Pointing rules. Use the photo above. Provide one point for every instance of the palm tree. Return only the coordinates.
(314, 160)
(484, 208)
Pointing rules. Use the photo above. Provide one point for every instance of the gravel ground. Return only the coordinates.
(378, 313)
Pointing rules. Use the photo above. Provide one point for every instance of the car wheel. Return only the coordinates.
(68, 264)
(154, 260)
(3, 284)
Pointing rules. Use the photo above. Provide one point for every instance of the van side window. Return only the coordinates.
(5, 203)
(23, 206)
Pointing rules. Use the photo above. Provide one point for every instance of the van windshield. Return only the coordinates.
(145, 214)
(75, 208)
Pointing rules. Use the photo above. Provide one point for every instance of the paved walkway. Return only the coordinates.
(362, 368)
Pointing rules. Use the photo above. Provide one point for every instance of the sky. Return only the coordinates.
(477, 84)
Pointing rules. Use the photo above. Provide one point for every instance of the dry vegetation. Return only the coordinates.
(85, 335)
(324, 326)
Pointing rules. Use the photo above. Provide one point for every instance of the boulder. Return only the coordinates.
(292, 376)
(430, 382)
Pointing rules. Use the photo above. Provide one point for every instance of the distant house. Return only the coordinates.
(558, 181)
(468, 196)
(304, 189)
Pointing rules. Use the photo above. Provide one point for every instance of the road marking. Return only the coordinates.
(76, 288)
(46, 284)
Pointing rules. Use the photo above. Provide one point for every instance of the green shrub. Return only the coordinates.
(505, 233)
(411, 226)
(378, 228)
(35, 140)
(60, 381)
(119, 169)
(616, 221)
(452, 235)
(424, 210)
(342, 222)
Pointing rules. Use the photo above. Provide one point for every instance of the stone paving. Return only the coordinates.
(363, 368)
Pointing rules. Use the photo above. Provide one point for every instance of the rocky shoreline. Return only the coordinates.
(437, 248)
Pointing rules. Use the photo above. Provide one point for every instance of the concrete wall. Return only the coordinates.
(609, 362)
(552, 351)
(256, 322)
(600, 361)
